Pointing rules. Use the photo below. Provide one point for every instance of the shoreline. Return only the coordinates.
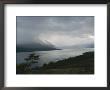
(82, 64)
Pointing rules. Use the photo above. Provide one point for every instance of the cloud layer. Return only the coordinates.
(59, 30)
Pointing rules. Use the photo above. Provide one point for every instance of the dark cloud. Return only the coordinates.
(59, 30)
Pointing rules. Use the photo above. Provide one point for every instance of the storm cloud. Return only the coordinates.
(59, 30)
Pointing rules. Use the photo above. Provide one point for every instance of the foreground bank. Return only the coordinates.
(82, 64)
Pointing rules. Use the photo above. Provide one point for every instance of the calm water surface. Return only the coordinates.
(52, 56)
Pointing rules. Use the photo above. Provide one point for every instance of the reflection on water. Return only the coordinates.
(52, 56)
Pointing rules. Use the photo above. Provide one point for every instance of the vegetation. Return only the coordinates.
(82, 64)
(27, 66)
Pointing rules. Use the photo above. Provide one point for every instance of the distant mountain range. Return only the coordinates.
(40, 46)
(89, 45)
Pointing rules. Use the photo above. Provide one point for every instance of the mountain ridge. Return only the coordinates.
(38, 46)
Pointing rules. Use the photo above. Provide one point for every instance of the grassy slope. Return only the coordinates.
(83, 64)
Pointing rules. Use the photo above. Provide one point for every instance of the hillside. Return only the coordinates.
(41, 46)
(82, 64)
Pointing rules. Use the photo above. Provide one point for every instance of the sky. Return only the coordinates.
(61, 31)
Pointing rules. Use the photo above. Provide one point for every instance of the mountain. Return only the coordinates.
(38, 46)
(91, 45)
(88, 45)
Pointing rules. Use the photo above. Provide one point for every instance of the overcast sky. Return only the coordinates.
(58, 30)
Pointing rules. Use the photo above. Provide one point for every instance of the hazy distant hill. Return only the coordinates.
(41, 46)
(90, 45)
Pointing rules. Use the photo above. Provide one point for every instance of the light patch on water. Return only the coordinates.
(52, 56)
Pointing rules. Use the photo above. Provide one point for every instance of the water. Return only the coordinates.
(52, 56)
